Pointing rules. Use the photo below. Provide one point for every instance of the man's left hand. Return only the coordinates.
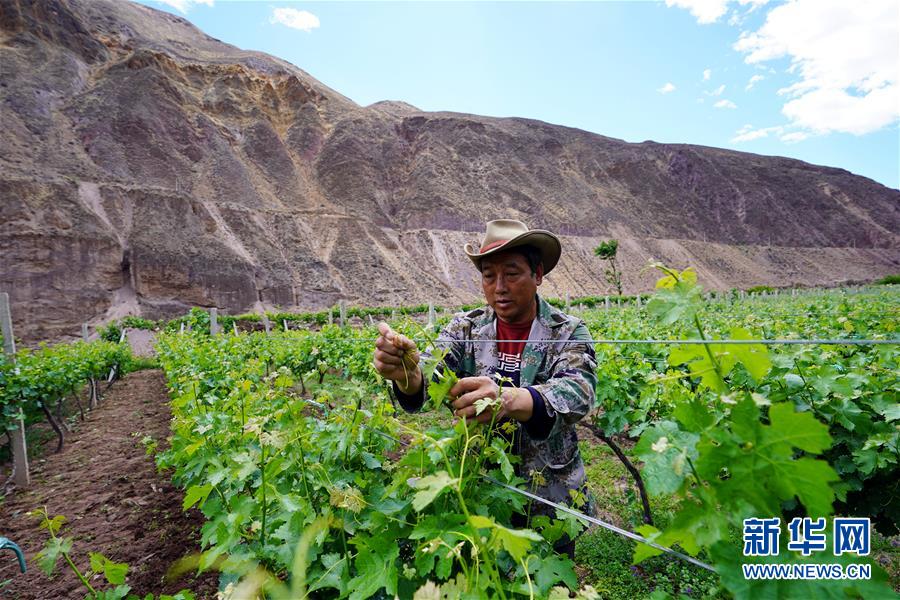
(516, 402)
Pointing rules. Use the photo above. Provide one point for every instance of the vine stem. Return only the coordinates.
(262, 533)
(709, 353)
(495, 574)
(635, 474)
(68, 559)
(78, 573)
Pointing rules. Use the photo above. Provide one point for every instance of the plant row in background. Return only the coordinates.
(34, 386)
(198, 318)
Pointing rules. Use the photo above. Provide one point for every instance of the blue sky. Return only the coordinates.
(824, 83)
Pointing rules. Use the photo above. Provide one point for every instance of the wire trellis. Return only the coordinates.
(765, 342)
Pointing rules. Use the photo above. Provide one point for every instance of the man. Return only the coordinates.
(554, 382)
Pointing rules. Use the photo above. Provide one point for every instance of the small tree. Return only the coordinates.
(607, 251)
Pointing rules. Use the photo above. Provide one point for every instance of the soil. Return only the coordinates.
(141, 342)
(113, 498)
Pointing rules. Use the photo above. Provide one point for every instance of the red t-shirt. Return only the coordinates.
(510, 353)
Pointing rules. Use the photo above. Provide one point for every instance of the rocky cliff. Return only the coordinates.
(146, 167)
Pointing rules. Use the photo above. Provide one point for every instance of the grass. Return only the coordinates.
(605, 557)
(139, 363)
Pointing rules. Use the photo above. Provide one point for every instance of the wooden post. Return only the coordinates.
(16, 435)
(606, 302)
(431, 317)
(342, 307)
(234, 326)
(182, 327)
(266, 324)
(330, 316)
(567, 302)
(112, 372)
(371, 320)
(213, 321)
(638, 299)
(95, 396)
(284, 324)
(393, 314)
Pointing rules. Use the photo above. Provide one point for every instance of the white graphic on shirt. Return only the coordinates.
(507, 362)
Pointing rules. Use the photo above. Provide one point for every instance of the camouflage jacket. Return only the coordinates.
(563, 374)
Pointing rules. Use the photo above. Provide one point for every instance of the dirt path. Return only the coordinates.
(141, 342)
(115, 501)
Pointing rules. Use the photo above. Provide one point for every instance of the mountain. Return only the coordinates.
(146, 167)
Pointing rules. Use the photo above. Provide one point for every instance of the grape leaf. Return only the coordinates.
(429, 487)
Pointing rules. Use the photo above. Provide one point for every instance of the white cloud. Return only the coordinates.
(753, 81)
(297, 19)
(750, 135)
(716, 92)
(183, 6)
(844, 56)
(666, 89)
(707, 73)
(747, 133)
(725, 104)
(709, 11)
(705, 11)
(826, 110)
(797, 136)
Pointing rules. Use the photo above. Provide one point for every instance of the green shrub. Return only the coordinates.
(889, 280)
(758, 289)
(132, 322)
(110, 332)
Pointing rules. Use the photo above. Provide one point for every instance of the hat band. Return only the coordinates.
(491, 246)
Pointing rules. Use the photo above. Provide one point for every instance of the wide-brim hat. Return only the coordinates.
(504, 234)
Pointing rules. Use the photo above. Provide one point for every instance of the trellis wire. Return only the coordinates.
(789, 342)
(603, 524)
(562, 507)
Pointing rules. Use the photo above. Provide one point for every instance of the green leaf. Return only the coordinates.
(664, 449)
(791, 429)
(53, 525)
(745, 419)
(793, 381)
(845, 412)
(196, 494)
(809, 480)
(516, 541)
(694, 414)
(376, 568)
(754, 357)
(335, 576)
(115, 572)
(555, 569)
(52, 551)
(643, 551)
(97, 562)
(480, 522)
(430, 487)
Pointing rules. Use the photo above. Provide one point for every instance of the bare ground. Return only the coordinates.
(115, 501)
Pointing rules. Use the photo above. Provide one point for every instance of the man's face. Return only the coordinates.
(509, 285)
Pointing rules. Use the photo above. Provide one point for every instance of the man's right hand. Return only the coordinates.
(397, 359)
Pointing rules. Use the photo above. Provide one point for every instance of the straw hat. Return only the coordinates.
(504, 234)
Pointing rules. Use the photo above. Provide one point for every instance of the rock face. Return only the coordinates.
(146, 167)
